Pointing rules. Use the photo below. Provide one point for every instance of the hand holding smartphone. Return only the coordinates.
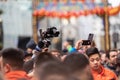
(89, 41)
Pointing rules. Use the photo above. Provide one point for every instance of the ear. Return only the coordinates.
(7, 68)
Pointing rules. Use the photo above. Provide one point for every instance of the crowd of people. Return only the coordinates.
(81, 62)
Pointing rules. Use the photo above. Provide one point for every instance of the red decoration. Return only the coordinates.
(47, 13)
(97, 10)
(35, 13)
(81, 13)
(41, 12)
(93, 11)
(54, 14)
(114, 11)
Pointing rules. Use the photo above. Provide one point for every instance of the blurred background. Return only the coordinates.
(20, 20)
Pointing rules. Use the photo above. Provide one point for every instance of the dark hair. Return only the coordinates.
(28, 66)
(14, 57)
(44, 57)
(31, 44)
(51, 68)
(102, 51)
(76, 61)
(92, 51)
(108, 54)
(27, 54)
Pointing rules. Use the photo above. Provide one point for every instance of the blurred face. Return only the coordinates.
(113, 57)
(29, 50)
(56, 54)
(103, 58)
(95, 61)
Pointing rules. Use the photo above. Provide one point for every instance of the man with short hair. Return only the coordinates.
(12, 64)
(40, 59)
(112, 61)
(52, 71)
(103, 57)
(98, 71)
(79, 66)
(44, 57)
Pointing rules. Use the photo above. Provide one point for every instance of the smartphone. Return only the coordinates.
(86, 42)
(90, 37)
(89, 41)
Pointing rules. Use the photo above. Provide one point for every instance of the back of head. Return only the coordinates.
(31, 44)
(76, 62)
(92, 51)
(52, 71)
(79, 66)
(13, 57)
(44, 57)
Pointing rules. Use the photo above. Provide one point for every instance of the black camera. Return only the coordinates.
(46, 35)
(50, 33)
(44, 43)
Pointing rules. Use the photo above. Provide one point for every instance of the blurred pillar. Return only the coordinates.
(34, 20)
(1, 31)
(1, 34)
(106, 28)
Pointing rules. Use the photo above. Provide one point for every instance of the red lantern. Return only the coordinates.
(102, 12)
(75, 14)
(93, 11)
(54, 14)
(98, 10)
(35, 13)
(114, 11)
(41, 12)
(81, 13)
(86, 12)
(106, 9)
(64, 15)
(47, 13)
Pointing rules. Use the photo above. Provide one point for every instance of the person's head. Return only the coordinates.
(30, 46)
(94, 58)
(12, 59)
(56, 53)
(112, 56)
(28, 66)
(103, 56)
(27, 56)
(79, 66)
(44, 57)
(52, 71)
(118, 59)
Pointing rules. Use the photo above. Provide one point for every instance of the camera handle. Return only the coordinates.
(41, 35)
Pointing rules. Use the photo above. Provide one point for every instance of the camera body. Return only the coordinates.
(50, 33)
(46, 35)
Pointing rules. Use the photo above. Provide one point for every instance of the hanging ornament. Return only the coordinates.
(35, 13)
